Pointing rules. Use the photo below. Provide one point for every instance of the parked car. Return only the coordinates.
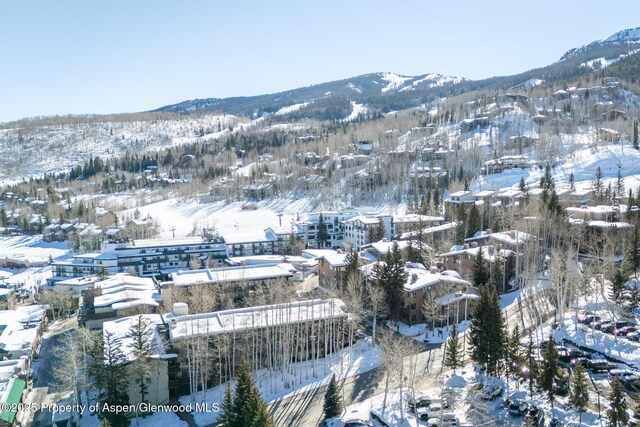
(600, 365)
(535, 416)
(491, 392)
(420, 402)
(517, 408)
(449, 419)
(555, 422)
(633, 336)
(623, 374)
(608, 328)
(584, 361)
(561, 386)
(623, 331)
(589, 318)
(599, 324)
(357, 423)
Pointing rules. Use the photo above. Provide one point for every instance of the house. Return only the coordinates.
(598, 213)
(357, 229)
(469, 125)
(331, 268)
(118, 296)
(461, 258)
(160, 359)
(257, 191)
(105, 218)
(560, 95)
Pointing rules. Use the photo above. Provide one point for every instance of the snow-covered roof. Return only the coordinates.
(511, 237)
(412, 218)
(430, 230)
(419, 279)
(233, 274)
(120, 328)
(455, 297)
(364, 219)
(248, 318)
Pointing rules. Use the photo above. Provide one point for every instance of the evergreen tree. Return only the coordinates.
(532, 364)
(141, 334)
(3, 217)
(598, 186)
(391, 276)
(619, 182)
(487, 334)
(579, 395)
(617, 412)
(479, 270)
(452, 351)
(110, 375)
(352, 266)
(379, 231)
(630, 204)
(549, 369)
(474, 222)
(249, 410)
(572, 182)
(332, 402)
(631, 261)
(497, 277)
(635, 135)
(513, 354)
(322, 237)
(634, 298)
(225, 419)
(522, 185)
(617, 286)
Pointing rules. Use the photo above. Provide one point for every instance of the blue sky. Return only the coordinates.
(71, 57)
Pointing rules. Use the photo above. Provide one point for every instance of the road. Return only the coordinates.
(43, 369)
(305, 409)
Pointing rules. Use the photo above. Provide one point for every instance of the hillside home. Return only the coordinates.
(118, 296)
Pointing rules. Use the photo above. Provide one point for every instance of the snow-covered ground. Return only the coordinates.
(230, 219)
(361, 357)
(32, 247)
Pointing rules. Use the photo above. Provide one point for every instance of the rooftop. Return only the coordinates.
(233, 274)
(243, 319)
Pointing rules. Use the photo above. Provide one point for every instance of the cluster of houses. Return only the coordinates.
(20, 335)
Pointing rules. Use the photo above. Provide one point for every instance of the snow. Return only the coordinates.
(291, 108)
(32, 247)
(630, 34)
(240, 319)
(230, 220)
(159, 419)
(421, 331)
(356, 110)
(357, 359)
(395, 81)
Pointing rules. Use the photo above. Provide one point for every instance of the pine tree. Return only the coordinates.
(452, 351)
(488, 334)
(392, 281)
(617, 286)
(141, 334)
(619, 182)
(110, 375)
(617, 412)
(572, 182)
(479, 270)
(549, 369)
(352, 267)
(532, 364)
(379, 231)
(249, 410)
(513, 354)
(474, 222)
(332, 402)
(579, 395)
(598, 186)
(631, 261)
(322, 237)
(635, 135)
(225, 419)
(497, 277)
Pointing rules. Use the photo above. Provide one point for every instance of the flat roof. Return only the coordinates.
(233, 274)
(243, 319)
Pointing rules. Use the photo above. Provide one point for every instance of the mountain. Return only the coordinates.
(386, 91)
(365, 89)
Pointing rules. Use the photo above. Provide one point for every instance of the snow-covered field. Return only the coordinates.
(32, 247)
(230, 219)
(361, 357)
